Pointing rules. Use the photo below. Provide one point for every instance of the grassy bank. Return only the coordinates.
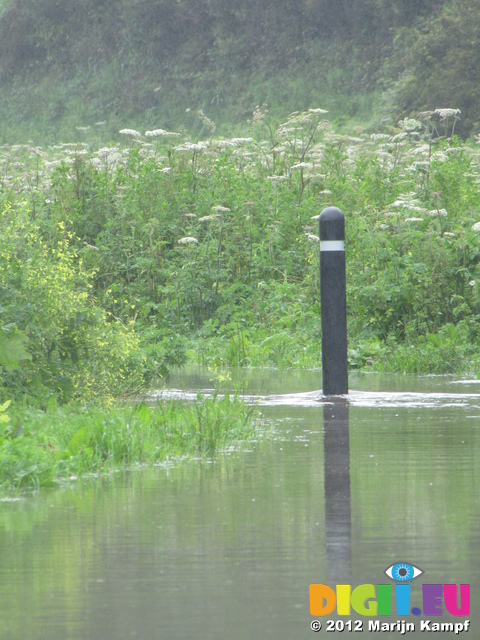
(41, 448)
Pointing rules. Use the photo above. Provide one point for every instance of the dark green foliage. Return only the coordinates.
(67, 63)
(440, 64)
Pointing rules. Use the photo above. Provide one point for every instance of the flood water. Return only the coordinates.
(226, 548)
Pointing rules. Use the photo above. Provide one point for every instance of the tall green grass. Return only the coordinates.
(47, 448)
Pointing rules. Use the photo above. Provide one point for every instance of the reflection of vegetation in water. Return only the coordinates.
(421, 467)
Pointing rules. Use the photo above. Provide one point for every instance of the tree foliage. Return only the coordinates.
(441, 64)
(147, 56)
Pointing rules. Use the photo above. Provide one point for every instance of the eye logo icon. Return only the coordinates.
(403, 572)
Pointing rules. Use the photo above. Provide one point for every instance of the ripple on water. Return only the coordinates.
(354, 398)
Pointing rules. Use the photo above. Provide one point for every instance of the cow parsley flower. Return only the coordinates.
(188, 240)
(131, 132)
(161, 132)
(213, 216)
(447, 113)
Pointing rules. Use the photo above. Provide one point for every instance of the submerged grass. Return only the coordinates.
(45, 448)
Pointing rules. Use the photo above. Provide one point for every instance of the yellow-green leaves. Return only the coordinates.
(4, 417)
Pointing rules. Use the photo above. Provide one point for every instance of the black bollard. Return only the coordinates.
(333, 299)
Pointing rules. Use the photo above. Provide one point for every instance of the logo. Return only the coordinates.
(391, 599)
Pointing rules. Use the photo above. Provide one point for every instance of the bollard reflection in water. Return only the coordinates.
(338, 526)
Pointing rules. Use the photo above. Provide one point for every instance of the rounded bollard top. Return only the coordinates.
(332, 224)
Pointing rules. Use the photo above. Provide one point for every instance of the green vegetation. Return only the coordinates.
(123, 254)
(65, 64)
(122, 262)
(46, 448)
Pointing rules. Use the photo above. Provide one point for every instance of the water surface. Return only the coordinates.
(226, 548)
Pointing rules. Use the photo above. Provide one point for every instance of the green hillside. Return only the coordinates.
(151, 63)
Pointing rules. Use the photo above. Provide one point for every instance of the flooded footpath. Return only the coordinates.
(379, 489)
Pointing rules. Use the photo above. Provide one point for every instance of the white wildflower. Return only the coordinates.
(79, 152)
(188, 240)
(191, 215)
(410, 124)
(219, 207)
(438, 212)
(425, 115)
(449, 235)
(422, 149)
(413, 219)
(300, 165)
(317, 111)
(476, 226)
(472, 283)
(82, 128)
(447, 113)
(440, 156)
(191, 146)
(131, 132)
(164, 170)
(104, 152)
(286, 131)
(378, 137)
(213, 216)
(161, 132)
(224, 144)
(312, 237)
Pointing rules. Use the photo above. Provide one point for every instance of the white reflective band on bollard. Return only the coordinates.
(332, 245)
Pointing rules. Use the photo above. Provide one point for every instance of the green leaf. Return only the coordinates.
(12, 347)
(80, 440)
(5, 405)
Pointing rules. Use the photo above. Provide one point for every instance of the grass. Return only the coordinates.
(46, 448)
